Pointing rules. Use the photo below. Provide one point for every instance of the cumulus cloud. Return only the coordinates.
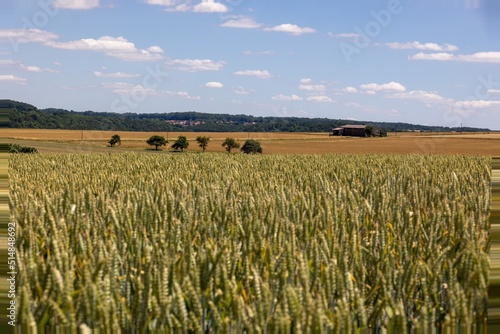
(137, 90)
(195, 65)
(76, 4)
(282, 97)
(261, 74)
(479, 57)
(9, 63)
(243, 91)
(291, 29)
(12, 79)
(387, 87)
(26, 36)
(205, 6)
(244, 22)
(319, 99)
(183, 95)
(210, 6)
(115, 75)
(214, 84)
(422, 46)
(476, 104)
(350, 90)
(267, 52)
(420, 95)
(344, 35)
(310, 87)
(162, 2)
(117, 47)
(37, 69)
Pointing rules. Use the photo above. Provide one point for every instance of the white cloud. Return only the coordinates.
(493, 91)
(183, 95)
(243, 91)
(18, 65)
(155, 49)
(117, 85)
(179, 8)
(171, 5)
(195, 65)
(267, 52)
(350, 90)
(13, 78)
(319, 98)
(432, 56)
(479, 57)
(8, 62)
(309, 87)
(262, 74)
(306, 81)
(26, 36)
(388, 87)
(137, 90)
(244, 22)
(422, 46)
(214, 84)
(420, 95)
(476, 104)
(370, 92)
(344, 35)
(282, 97)
(76, 4)
(161, 2)
(115, 75)
(210, 6)
(117, 47)
(205, 6)
(34, 69)
(292, 29)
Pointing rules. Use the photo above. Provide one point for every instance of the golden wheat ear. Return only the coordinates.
(494, 243)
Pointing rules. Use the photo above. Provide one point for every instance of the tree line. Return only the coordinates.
(250, 145)
(23, 115)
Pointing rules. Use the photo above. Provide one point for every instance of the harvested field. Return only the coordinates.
(53, 141)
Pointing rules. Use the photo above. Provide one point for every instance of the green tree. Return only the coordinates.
(181, 143)
(230, 143)
(115, 140)
(369, 131)
(202, 142)
(251, 146)
(156, 141)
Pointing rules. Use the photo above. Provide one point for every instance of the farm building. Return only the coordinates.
(350, 130)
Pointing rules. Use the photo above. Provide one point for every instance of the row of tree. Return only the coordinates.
(23, 115)
(250, 145)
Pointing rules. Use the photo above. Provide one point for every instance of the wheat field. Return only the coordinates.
(212, 243)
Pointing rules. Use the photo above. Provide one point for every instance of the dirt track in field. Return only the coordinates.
(70, 141)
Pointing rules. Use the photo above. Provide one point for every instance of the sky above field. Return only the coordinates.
(433, 62)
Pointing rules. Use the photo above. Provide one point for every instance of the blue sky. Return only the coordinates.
(434, 62)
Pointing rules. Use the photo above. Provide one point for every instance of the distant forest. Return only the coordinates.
(23, 115)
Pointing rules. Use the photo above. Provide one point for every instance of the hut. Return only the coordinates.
(350, 130)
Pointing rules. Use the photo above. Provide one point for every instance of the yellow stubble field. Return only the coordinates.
(52, 141)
